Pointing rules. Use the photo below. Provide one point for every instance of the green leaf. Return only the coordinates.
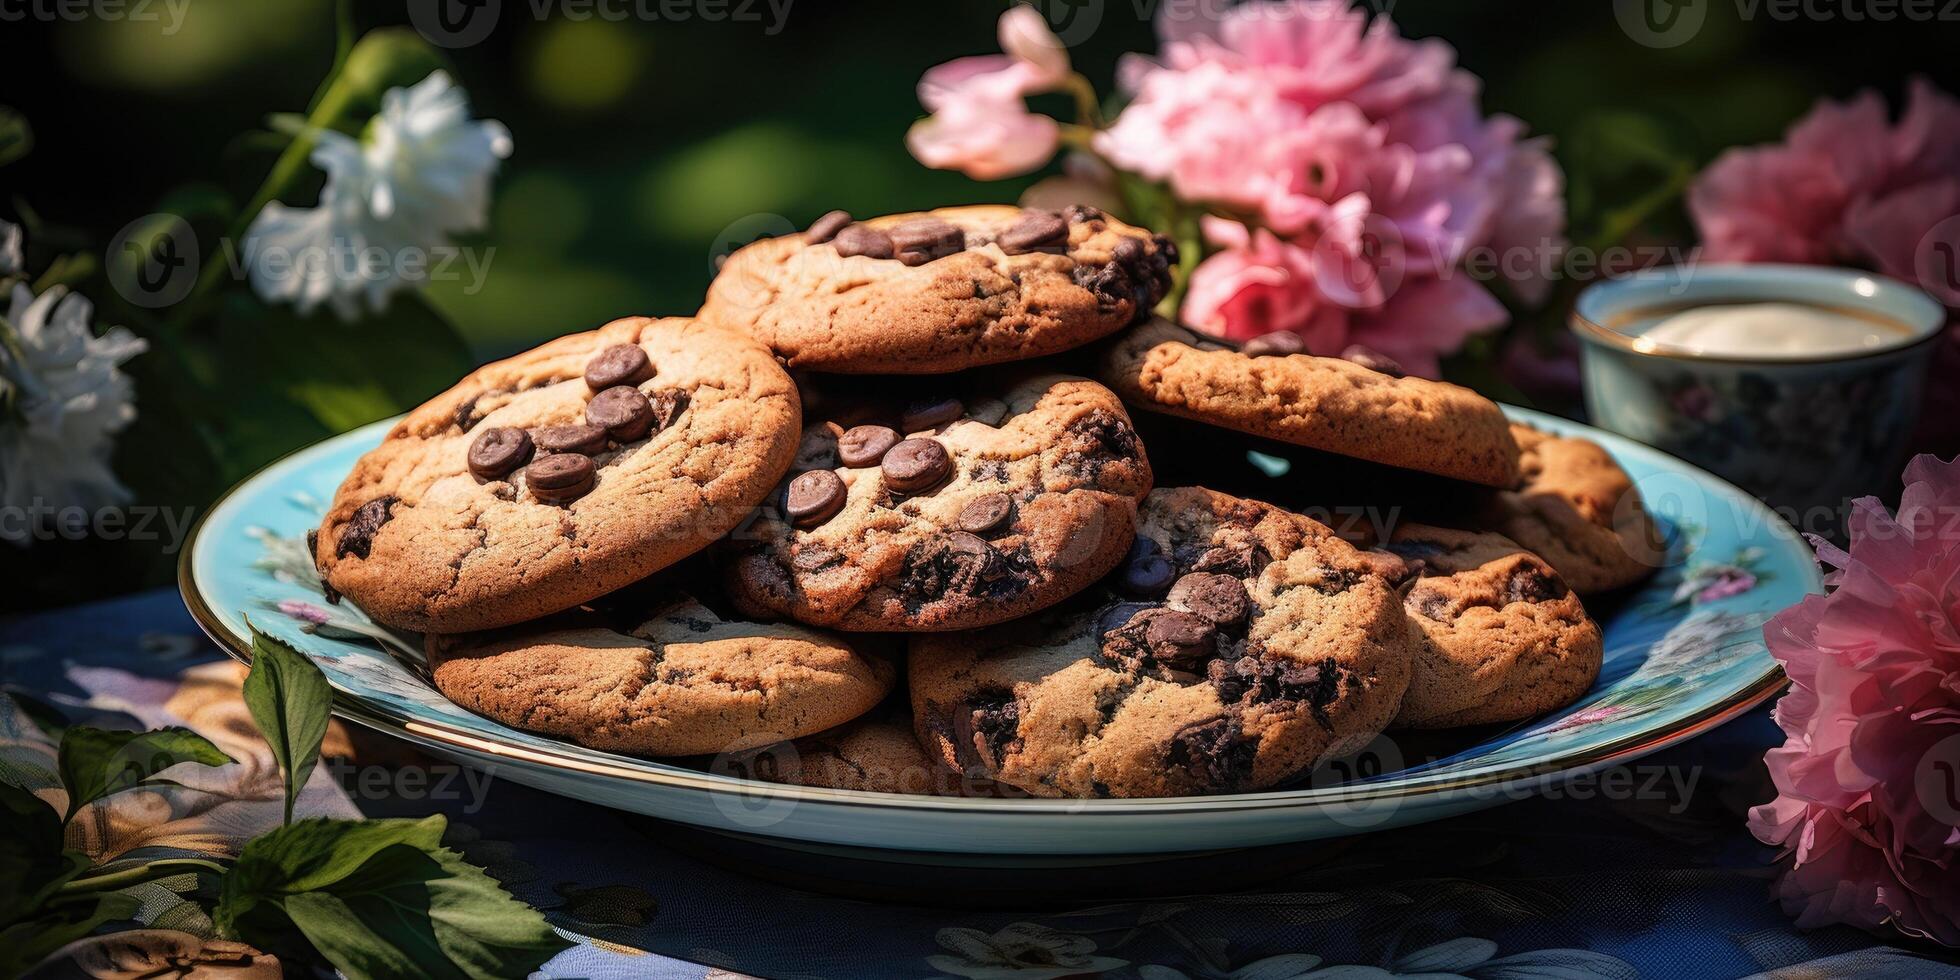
(32, 861)
(16, 137)
(380, 898)
(291, 703)
(26, 943)
(95, 763)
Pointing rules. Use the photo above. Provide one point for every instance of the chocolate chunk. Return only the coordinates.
(1117, 616)
(1078, 213)
(985, 513)
(1264, 679)
(860, 240)
(1147, 575)
(1179, 640)
(1034, 230)
(916, 465)
(1528, 583)
(985, 729)
(1219, 598)
(1215, 753)
(1241, 559)
(1373, 360)
(931, 414)
(864, 445)
(561, 478)
(1110, 283)
(623, 412)
(1279, 343)
(814, 497)
(357, 535)
(813, 558)
(585, 440)
(923, 239)
(1166, 247)
(668, 404)
(1430, 603)
(497, 451)
(960, 564)
(1129, 251)
(620, 364)
(1096, 439)
(826, 228)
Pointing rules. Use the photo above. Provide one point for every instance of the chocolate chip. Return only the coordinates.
(1179, 640)
(960, 564)
(814, 558)
(1129, 251)
(1215, 753)
(1242, 560)
(1219, 598)
(496, 452)
(1078, 213)
(983, 514)
(814, 497)
(1373, 360)
(1110, 283)
(985, 729)
(1032, 231)
(826, 228)
(1430, 603)
(864, 445)
(1279, 343)
(623, 412)
(1166, 247)
(1117, 616)
(668, 404)
(922, 415)
(916, 465)
(561, 478)
(620, 364)
(1527, 583)
(923, 239)
(357, 536)
(860, 240)
(1148, 575)
(586, 440)
(1265, 679)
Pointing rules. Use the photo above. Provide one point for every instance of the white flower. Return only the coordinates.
(1021, 951)
(62, 400)
(419, 173)
(10, 260)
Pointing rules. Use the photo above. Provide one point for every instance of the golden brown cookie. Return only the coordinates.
(1324, 403)
(1501, 637)
(875, 755)
(546, 480)
(684, 682)
(980, 502)
(1239, 646)
(1580, 511)
(944, 290)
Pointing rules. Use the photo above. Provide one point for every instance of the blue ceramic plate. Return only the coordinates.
(1683, 654)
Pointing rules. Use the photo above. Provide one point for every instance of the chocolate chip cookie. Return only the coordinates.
(1578, 509)
(942, 290)
(546, 480)
(1358, 407)
(875, 755)
(969, 506)
(1501, 637)
(684, 682)
(1238, 646)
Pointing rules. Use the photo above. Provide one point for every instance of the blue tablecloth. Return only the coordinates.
(1662, 880)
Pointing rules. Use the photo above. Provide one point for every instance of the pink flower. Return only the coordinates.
(1868, 805)
(1259, 283)
(980, 123)
(305, 612)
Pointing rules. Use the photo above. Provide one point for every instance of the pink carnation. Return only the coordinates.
(1868, 810)
(980, 123)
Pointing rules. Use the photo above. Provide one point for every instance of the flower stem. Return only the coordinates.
(115, 880)
(1088, 109)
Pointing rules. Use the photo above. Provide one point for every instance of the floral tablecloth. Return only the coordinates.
(1645, 873)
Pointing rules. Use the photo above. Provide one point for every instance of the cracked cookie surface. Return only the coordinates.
(684, 682)
(1324, 403)
(1004, 293)
(522, 491)
(989, 501)
(1580, 511)
(1239, 646)
(1500, 636)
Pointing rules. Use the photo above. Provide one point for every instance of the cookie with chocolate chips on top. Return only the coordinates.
(551, 478)
(1501, 637)
(973, 504)
(1358, 404)
(1576, 507)
(1237, 647)
(680, 680)
(944, 290)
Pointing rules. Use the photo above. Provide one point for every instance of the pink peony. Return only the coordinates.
(980, 123)
(1845, 187)
(1868, 805)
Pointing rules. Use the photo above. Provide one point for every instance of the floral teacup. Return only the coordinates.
(1803, 431)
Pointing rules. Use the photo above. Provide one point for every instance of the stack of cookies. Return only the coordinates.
(879, 518)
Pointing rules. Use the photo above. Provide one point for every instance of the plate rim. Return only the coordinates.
(667, 775)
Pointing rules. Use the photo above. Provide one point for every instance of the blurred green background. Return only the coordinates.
(644, 146)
